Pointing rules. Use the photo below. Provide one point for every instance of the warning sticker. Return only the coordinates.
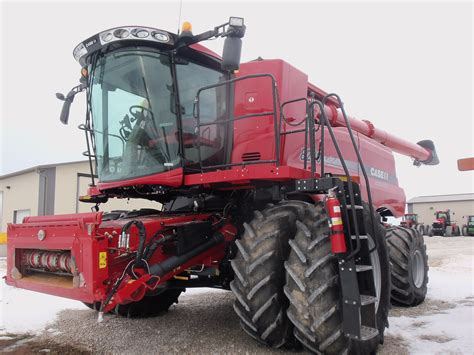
(102, 259)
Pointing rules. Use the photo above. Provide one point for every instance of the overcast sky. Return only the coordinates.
(405, 66)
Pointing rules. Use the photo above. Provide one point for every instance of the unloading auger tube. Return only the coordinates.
(423, 152)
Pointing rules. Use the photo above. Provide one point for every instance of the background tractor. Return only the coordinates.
(410, 220)
(468, 228)
(467, 164)
(443, 225)
(264, 186)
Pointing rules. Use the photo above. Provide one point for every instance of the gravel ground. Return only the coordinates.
(202, 322)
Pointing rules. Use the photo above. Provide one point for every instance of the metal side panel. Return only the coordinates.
(74, 234)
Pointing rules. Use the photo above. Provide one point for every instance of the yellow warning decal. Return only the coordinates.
(336, 221)
(102, 259)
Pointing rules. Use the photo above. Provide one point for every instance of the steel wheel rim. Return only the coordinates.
(376, 271)
(418, 271)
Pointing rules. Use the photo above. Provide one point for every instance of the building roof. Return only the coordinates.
(38, 167)
(442, 198)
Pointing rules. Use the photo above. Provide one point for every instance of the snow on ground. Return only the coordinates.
(23, 311)
(449, 328)
(443, 324)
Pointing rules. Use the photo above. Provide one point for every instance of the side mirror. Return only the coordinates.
(64, 118)
(68, 99)
(233, 44)
(231, 53)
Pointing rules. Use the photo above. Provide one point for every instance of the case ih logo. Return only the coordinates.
(90, 43)
(379, 174)
(352, 165)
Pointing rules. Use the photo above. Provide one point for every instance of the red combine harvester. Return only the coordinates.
(268, 189)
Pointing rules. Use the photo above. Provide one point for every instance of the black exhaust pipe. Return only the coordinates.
(171, 263)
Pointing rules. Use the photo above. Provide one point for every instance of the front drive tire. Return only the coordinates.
(313, 288)
(259, 274)
(409, 266)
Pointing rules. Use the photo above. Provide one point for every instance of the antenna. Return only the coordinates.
(179, 15)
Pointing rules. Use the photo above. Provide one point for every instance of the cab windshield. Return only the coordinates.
(134, 113)
(134, 125)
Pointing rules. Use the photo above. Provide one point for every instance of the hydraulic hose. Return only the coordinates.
(155, 242)
(164, 267)
(141, 235)
(174, 261)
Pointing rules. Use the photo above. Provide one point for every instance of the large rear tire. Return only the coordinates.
(148, 306)
(409, 263)
(260, 275)
(313, 288)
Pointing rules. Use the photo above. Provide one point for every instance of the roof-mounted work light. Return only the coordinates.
(236, 22)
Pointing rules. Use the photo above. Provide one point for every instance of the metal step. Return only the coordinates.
(366, 299)
(357, 207)
(360, 237)
(367, 333)
(362, 268)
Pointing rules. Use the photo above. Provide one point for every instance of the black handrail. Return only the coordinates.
(306, 128)
(361, 163)
(324, 121)
(196, 114)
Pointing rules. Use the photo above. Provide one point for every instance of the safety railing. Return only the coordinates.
(278, 119)
(231, 119)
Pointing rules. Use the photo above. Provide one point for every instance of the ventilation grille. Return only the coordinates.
(251, 156)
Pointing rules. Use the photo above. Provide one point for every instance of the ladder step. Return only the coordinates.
(357, 207)
(366, 299)
(360, 237)
(367, 333)
(362, 268)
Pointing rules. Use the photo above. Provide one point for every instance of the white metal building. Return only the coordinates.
(460, 205)
(52, 189)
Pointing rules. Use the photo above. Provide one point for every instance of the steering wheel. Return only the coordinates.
(135, 110)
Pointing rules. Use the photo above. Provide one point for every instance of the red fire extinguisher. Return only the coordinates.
(333, 207)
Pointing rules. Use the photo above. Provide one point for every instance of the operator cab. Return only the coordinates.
(441, 215)
(141, 85)
(141, 101)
